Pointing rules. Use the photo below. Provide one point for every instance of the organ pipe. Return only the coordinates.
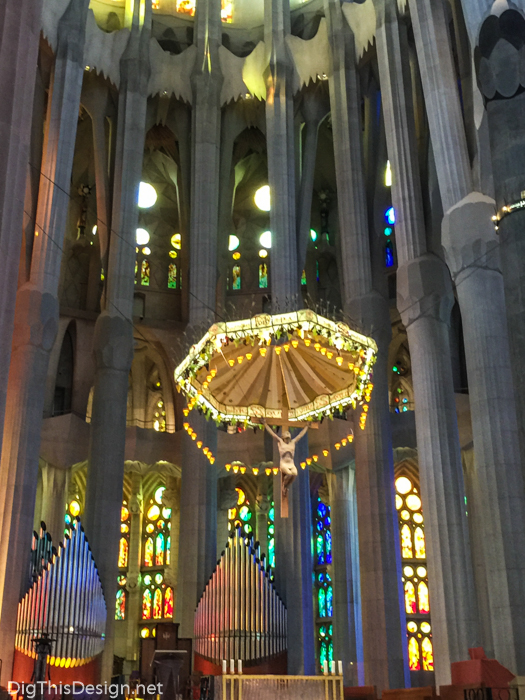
(65, 601)
(240, 615)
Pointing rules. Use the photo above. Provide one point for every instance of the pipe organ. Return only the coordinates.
(65, 602)
(240, 615)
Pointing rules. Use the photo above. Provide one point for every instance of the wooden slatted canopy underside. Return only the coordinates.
(292, 367)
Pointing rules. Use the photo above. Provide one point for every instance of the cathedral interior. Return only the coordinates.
(167, 165)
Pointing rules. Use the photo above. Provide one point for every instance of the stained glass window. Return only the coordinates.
(186, 7)
(389, 254)
(159, 418)
(263, 276)
(242, 515)
(227, 10)
(271, 535)
(120, 606)
(145, 273)
(323, 581)
(172, 276)
(303, 278)
(236, 277)
(415, 577)
(157, 597)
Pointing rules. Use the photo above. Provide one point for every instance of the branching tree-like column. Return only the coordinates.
(425, 300)
(36, 324)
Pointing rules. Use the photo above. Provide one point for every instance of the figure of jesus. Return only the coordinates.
(287, 453)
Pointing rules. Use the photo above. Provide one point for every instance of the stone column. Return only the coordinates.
(198, 516)
(470, 243)
(113, 338)
(348, 633)
(134, 591)
(424, 300)
(384, 641)
(55, 487)
(36, 323)
(281, 156)
(19, 41)
(294, 565)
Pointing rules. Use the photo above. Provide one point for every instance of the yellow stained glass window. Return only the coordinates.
(157, 604)
(410, 598)
(124, 514)
(403, 485)
(419, 541)
(146, 605)
(428, 655)
(186, 7)
(422, 597)
(123, 553)
(148, 552)
(406, 542)
(413, 655)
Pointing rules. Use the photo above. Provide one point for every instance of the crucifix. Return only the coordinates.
(286, 447)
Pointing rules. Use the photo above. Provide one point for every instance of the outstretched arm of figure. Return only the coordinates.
(301, 434)
(274, 435)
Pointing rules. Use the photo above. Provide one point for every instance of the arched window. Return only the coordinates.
(123, 562)
(323, 582)
(236, 277)
(157, 595)
(271, 535)
(415, 577)
(242, 515)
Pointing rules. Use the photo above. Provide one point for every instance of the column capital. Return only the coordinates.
(468, 235)
(113, 342)
(424, 288)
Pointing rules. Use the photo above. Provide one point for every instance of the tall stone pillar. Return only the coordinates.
(384, 654)
(36, 323)
(227, 498)
(348, 634)
(470, 243)
(281, 156)
(113, 338)
(198, 515)
(55, 487)
(424, 301)
(19, 41)
(262, 508)
(294, 565)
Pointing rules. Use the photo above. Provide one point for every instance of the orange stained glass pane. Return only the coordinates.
(157, 604)
(187, 7)
(159, 549)
(419, 541)
(168, 602)
(148, 552)
(123, 553)
(124, 513)
(410, 598)
(422, 597)
(406, 542)
(413, 654)
(428, 655)
(146, 605)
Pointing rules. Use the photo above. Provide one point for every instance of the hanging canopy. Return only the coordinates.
(291, 367)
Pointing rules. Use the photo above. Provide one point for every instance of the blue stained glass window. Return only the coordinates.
(327, 522)
(322, 602)
(271, 537)
(320, 525)
(322, 509)
(389, 254)
(390, 216)
(328, 543)
(329, 601)
(320, 549)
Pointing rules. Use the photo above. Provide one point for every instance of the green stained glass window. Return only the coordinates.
(322, 602)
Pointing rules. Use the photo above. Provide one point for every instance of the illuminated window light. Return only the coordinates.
(142, 236)
(236, 256)
(388, 175)
(147, 195)
(146, 251)
(390, 216)
(266, 239)
(263, 253)
(176, 241)
(313, 235)
(233, 243)
(94, 230)
(388, 231)
(262, 198)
